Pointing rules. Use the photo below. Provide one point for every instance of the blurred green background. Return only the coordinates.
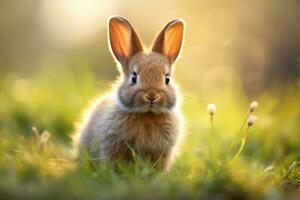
(54, 59)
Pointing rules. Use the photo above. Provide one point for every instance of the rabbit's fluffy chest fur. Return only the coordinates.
(111, 133)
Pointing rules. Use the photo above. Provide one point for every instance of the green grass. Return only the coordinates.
(267, 168)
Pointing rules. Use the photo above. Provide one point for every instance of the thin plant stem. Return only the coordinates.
(210, 137)
(243, 142)
(212, 125)
(233, 142)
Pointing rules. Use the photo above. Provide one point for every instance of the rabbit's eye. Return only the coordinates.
(134, 78)
(167, 79)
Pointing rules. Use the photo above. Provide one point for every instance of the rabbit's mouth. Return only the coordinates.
(154, 108)
(141, 106)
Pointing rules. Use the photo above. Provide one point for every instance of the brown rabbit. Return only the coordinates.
(141, 116)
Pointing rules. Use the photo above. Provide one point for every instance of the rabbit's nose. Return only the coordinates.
(152, 99)
(151, 96)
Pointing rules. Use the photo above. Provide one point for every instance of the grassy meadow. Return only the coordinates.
(39, 163)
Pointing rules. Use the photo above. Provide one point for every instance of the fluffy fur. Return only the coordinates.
(138, 117)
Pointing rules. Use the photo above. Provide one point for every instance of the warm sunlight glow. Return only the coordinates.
(219, 27)
(69, 22)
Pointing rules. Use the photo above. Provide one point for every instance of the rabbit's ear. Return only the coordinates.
(170, 40)
(123, 40)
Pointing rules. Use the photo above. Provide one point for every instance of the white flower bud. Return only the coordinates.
(45, 135)
(211, 108)
(251, 120)
(253, 106)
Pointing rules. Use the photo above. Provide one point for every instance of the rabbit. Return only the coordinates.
(141, 115)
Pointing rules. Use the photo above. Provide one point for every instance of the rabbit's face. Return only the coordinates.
(147, 85)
